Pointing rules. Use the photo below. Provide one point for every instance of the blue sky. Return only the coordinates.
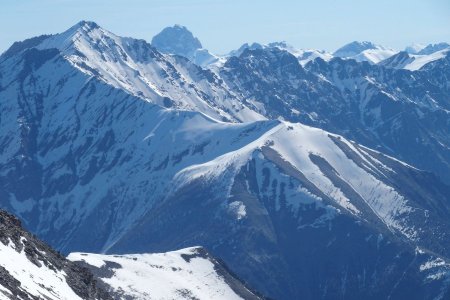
(223, 25)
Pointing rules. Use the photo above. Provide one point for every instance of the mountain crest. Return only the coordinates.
(432, 48)
(87, 24)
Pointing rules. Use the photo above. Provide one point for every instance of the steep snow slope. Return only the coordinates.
(189, 273)
(135, 66)
(29, 269)
(413, 62)
(422, 60)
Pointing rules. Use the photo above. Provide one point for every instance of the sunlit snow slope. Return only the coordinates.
(137, 67)
(184, 274)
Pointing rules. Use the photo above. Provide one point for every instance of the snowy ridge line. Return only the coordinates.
(135, 66)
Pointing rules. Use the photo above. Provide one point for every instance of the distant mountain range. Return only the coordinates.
(179, 40)
(311, 175)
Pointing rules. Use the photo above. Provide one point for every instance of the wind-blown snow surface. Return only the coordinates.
(184, 274)
(93, 162)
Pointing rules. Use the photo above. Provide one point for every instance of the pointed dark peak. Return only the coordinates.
(177, 40)
(316, 64)
(82, 26)
(398, 60)
(87, 25)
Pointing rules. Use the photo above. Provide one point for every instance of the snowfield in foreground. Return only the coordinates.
(184, 274)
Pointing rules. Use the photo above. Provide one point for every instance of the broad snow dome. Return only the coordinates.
(354, 48)
(365, 51)
(176, 40)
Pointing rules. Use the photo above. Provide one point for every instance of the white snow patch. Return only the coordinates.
(163, 275)
(238, 209)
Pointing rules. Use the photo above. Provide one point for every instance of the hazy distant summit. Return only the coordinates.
(176, 40)
(179, 40)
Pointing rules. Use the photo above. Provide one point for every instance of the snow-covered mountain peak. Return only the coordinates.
(137, 67)
(354, 48)
(93, 49)
(86, 25)
(92, 164)
(364, 51)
